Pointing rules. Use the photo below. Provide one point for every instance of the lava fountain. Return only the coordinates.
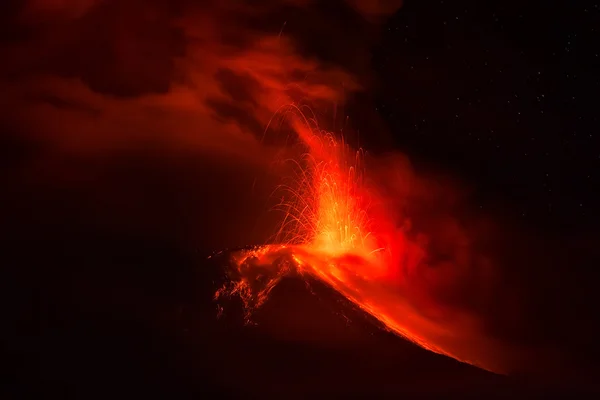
(338, 229)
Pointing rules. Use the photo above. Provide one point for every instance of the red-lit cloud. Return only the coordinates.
(99, 74)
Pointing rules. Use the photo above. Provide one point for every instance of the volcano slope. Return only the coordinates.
(148, 324)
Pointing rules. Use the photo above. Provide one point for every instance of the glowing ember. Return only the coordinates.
(335, 229)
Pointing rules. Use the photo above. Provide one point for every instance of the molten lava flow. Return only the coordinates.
(336, 229)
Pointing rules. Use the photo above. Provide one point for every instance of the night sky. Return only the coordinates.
(133, 145)
(504, 94)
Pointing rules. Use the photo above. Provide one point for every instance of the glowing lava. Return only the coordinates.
(335, 228)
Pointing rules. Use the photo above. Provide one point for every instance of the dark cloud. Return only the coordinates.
(238, 62)
(239, 87)
(59, 102)
(116, 48)
(240, 115)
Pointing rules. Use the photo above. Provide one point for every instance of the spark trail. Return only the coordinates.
(336, 228)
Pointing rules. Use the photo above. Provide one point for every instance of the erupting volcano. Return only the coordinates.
(338, 228)
(400, 198)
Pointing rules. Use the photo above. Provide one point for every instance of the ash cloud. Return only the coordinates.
(85, 83)
(232, 63)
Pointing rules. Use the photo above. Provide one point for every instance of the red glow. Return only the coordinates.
(337, 228)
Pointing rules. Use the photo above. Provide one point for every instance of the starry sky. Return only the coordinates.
(503, 93)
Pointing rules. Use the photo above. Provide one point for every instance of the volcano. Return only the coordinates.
(307, 339)
(149, 325)
(310, 339)
(378, 170)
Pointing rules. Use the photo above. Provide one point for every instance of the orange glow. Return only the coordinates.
(335, 229)
(327, 208)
